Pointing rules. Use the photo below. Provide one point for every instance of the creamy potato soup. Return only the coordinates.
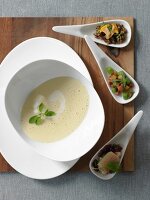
(54, 109)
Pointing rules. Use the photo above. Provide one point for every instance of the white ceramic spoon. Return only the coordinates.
(89, 29)
(103, 61)
(122, 138)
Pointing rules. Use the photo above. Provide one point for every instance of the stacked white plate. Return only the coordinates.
(20, 155)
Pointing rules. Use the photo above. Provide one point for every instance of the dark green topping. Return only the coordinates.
(39, 118)
(113, 166)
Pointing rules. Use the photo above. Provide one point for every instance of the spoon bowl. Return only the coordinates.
(122, 138)
(89, 29)
(103, 61)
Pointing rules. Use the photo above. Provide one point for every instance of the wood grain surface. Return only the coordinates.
(15, 30)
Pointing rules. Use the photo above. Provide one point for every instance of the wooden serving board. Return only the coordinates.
(15, 30)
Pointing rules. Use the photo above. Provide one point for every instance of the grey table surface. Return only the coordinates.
(132, 186)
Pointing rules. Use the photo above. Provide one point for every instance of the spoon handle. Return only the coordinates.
(132, 124)
(100, 57)
(96, 51)
(124, 135)
(70, 30)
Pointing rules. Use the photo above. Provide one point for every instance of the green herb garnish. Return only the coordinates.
(49, 113)
(109, 26)
(113, 166)
(41, 107)
(125, 95)
(33, 119)
(109, 70)
(39, 118)
(114, 90)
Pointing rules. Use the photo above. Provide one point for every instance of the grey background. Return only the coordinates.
(132, 186)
